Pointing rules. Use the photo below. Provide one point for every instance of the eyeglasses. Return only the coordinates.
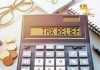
(7, 15)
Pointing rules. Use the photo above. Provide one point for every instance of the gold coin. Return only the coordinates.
(13, 54)
(53, 1)
(1, 43)
(4, 54)
(9, 40)
(12, 46)
(8, 61)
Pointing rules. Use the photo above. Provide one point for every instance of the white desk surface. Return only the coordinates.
(14, 30)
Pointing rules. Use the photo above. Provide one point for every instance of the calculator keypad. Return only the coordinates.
(73, 61)
(49, 62)
(26, 61)
(55, 57)
(60, 68)
(26, 53)
(39, 46)
(25, 68)
(83, 54)
(39, 54)
(84, 62)
(49, 53)
(49, 46)
(38, 68)
(60, 62)
(85, 68)
(60, 47)
(39, 62)
(73, 54)
(60, 54)
(49, 68)
(72, 68)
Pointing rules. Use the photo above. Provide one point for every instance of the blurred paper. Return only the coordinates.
(50, 7)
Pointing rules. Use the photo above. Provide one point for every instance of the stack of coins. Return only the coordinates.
(10, 54)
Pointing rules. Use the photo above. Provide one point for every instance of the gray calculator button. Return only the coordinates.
(85, 68)
(39, 61)
(83, 54)
(72, 53)
(49, 62)
(39, 46)
(49, 53)
(72, 68)
(60, 54)
(49, 68)
(38, 68)
(26, 54)
(60, 68)
(60, 62)
(49, 46)
(59, 46)
(84, 62)
(73, 61)
(25, 67)
(26, 61)
(39, 54)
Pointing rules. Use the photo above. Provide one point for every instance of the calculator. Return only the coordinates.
(55, 42)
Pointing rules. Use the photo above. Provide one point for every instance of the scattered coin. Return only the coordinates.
(4, 54)
(8, 61)
(53, 1)
(83, 6)
(10, 54)
(88, 14)
(10, 40)
(12, 46)
(13, 54)
(1, 43)
(86, 10)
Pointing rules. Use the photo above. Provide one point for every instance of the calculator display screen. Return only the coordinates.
(55, 31)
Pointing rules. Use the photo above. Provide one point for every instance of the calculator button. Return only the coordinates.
(72, 68)
(38, 68)
(84, 62)
(72, 53)
(49, 62)
(39, 62)
(60, 62)
(49, 46)
(39, 54)
(26, 61)
(26, 54)
(73, 61)
(85, 68)
(60, 68)
(83, 54)
(49, 53)
(59, 53)
(49, 68)
(25, 67)
(39, 46)
(59, 46)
